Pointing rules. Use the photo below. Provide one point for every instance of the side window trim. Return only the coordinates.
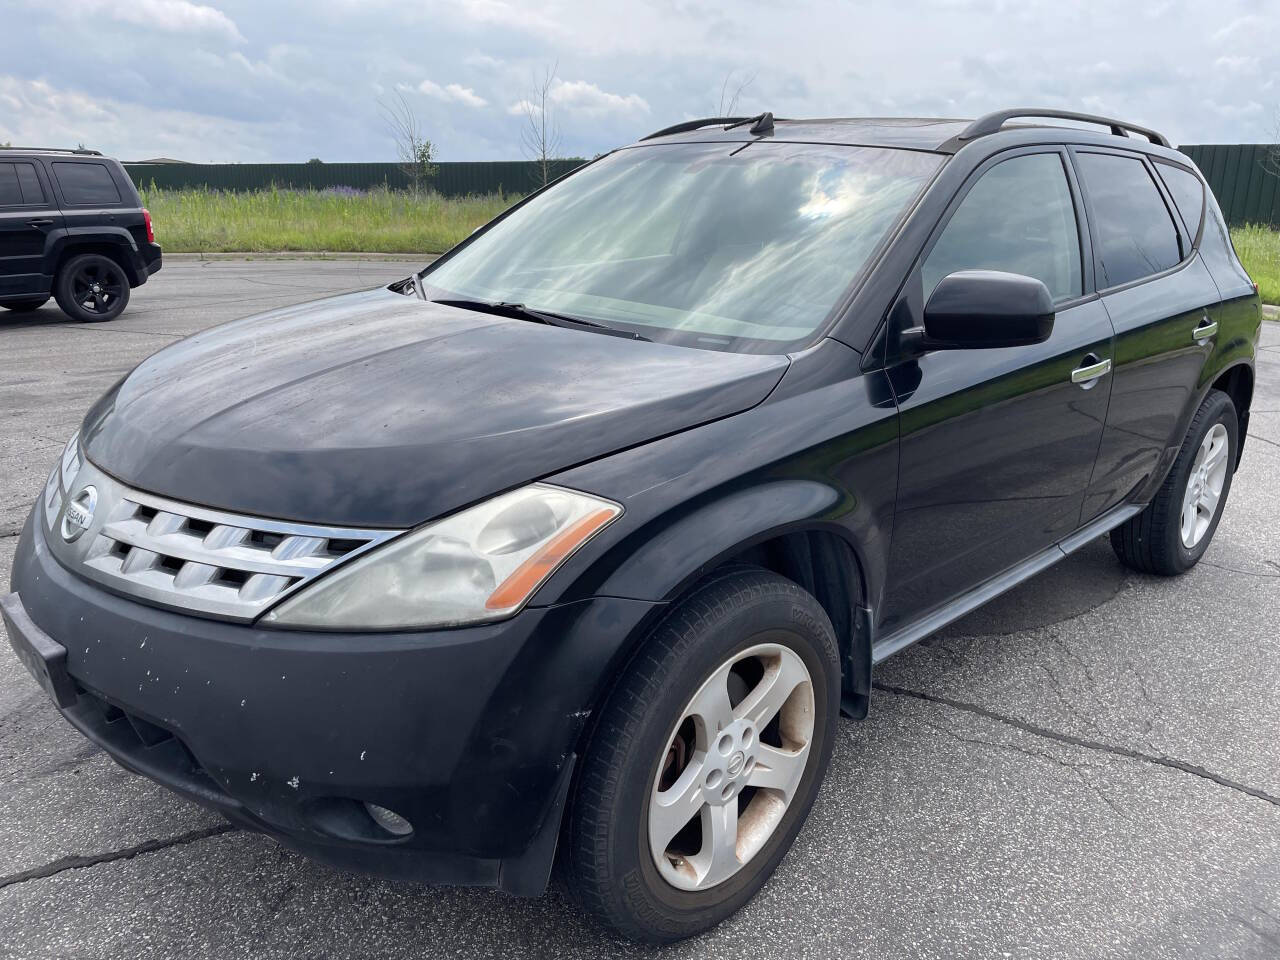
(1083, 235)
(1186, 246)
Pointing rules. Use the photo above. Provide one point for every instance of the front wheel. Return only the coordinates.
(1175, 530)
(706, 759)
(91, 288)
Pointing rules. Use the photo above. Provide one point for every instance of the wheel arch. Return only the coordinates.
(114, 248)
(801, 541)
(1237, 382)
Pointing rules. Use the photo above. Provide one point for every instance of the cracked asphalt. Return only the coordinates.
(1087, 767)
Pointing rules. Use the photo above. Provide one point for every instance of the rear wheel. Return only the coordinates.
(91, 288)
(1175, 530)
(706, 759)
(25, 306)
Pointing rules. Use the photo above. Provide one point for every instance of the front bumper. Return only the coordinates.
(468, 733)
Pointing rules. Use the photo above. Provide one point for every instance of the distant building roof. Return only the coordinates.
(158, 160)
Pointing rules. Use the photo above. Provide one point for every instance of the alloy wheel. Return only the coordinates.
(1204, 485)
(731, 766)
(97, 286)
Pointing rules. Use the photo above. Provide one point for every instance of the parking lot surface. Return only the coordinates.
(1088, 767)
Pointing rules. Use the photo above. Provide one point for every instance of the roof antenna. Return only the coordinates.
(760, 124)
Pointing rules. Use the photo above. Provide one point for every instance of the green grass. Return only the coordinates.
(1259, 249)
(379, 221)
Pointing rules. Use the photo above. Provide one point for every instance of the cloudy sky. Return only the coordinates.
(258, 80)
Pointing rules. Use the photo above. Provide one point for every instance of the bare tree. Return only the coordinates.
(414, 150)
(540, 134)
(731, 92)
(1271, 162)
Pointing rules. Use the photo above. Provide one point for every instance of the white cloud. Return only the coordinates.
(585, 99)
(1236, 29)
(1236, 64)
(580, 96)
(62, 116)
(453, 93)
(312, 72)
(483, 61)
(170, 16)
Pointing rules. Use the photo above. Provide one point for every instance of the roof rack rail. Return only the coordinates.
(695, 124)
(78, 150)
(992, 122)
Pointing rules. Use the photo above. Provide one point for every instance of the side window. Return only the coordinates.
(1018, 218)
(32, 192)
(1187, 191)
(10, 192)
(1136, 235)
(86, 183)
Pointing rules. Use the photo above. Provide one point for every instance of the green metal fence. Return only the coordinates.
(1242, 178)
(451, 179)
(1246, 190)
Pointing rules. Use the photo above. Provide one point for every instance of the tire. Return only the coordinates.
(1153, 541)
(25, 306)
(766, 623)
(74, 288)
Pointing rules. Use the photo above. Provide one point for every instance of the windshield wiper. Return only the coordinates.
(520, 312)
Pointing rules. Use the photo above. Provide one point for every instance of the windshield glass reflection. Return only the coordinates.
(727, 245)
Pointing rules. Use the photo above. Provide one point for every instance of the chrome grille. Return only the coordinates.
(191, 558)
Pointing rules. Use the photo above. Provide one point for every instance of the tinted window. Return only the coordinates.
(1136, 235)
(1018, 218)
(10, 192)
(86, 183)
(29, 182)
(1188, 194)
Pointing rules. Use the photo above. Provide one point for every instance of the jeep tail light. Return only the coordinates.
(146, 218)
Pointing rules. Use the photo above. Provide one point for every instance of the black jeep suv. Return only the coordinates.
(582, 537)
(71, 226)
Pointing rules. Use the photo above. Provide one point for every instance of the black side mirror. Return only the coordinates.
(986, 308)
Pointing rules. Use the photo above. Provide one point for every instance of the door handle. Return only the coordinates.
(1205, 330)
(40, 223)
(1091, 371)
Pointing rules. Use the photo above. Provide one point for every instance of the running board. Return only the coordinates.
(968, 602)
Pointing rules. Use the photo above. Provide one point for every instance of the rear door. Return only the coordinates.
(27, 217)
(1160, 296)
(998, 445)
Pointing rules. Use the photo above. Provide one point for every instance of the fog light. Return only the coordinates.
(389, 820)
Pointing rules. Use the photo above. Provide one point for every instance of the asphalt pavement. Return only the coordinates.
(1087, 767)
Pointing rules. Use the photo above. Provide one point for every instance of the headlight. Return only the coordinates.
(481, 564)
(60, 480)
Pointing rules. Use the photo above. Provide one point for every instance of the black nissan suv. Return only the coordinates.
(73, 227)
(577, 542)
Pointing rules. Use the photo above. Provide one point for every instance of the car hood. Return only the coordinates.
(373, 409)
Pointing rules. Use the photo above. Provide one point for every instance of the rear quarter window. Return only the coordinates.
(1187, 192)
(1136, 235)
(85, 182)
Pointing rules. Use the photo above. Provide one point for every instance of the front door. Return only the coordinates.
(997, 445)
(27, 215)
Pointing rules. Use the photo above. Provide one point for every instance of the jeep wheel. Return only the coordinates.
(706, 759)
(91, 288)
(25, 306)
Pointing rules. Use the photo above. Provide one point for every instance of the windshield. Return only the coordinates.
(716, 245)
